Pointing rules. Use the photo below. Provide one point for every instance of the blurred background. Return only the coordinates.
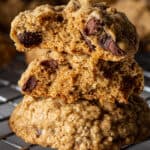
(12, 63)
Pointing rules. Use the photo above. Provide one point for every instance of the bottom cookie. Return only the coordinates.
(84, 125)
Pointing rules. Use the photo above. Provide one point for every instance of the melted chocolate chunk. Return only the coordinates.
(108, 44)
(30, 84)
(88, 42)
(51, 65)
(93, 26)
(29, 39)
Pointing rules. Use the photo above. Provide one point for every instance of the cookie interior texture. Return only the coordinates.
(79, 76)
(82, 125)
(79, 27)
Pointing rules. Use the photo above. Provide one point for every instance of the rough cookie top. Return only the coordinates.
(72, 77)
(82, 26)
(82, 125)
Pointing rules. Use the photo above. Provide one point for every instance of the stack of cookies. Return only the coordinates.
(82, 93)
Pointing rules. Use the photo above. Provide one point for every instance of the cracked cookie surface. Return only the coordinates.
(82, 125)
(79, 76)
(81, 27)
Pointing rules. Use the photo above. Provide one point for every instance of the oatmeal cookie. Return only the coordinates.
(7, 50)
(82, 125)
(79, 76)
(81, 27)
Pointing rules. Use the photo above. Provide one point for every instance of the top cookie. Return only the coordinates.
(83, 27)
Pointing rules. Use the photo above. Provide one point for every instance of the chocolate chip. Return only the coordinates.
(108, 73)
(51, 65)
(69, 66)
(109, 68)
(108, 44)
(93, 26)
(88, 42)
(46, 18)
(59, 18)
(127, 84)
(29, 39)
(30, 84)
